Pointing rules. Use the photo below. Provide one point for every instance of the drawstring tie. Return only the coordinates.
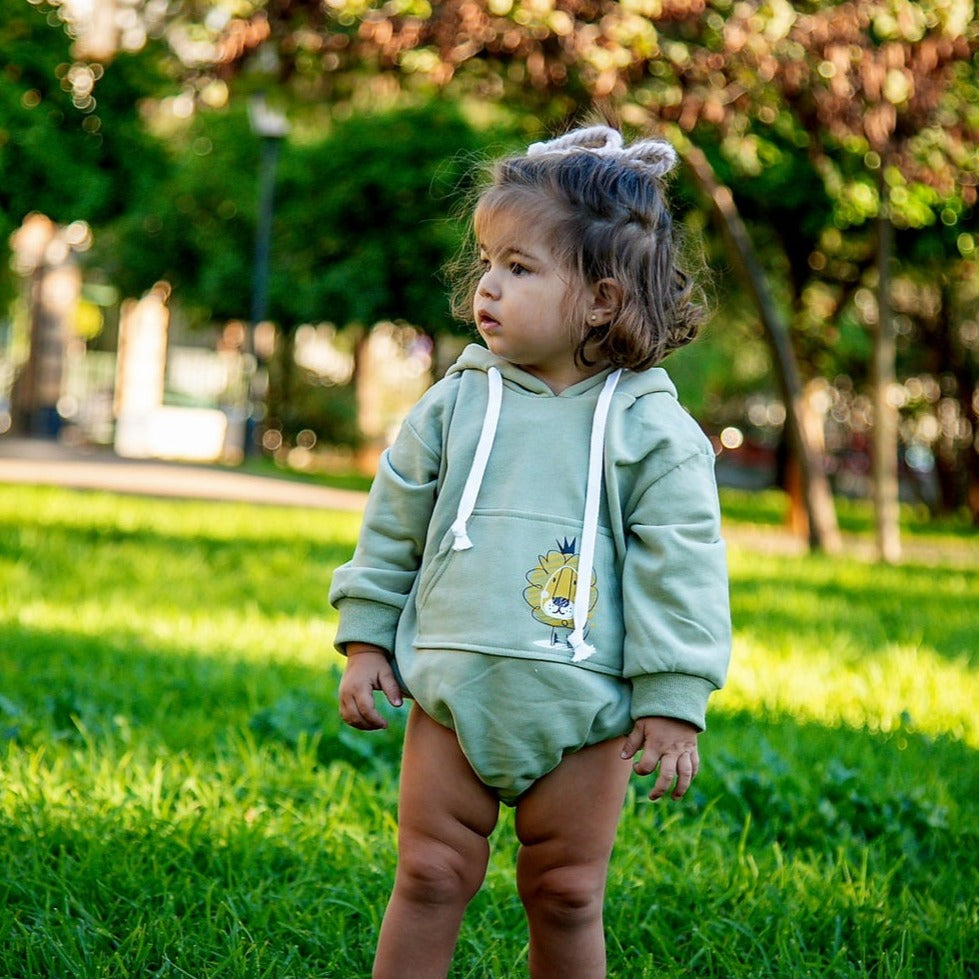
(467, 501)
(593, 500)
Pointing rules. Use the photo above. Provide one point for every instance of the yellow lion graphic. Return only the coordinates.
(551, 592)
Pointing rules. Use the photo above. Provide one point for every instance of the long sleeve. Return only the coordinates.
(675, 594)
(370, 591)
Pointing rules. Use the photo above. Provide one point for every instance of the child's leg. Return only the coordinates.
(566, 824)
(445, 815)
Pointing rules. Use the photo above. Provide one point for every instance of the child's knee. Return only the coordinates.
(566, 895)
(434, 873)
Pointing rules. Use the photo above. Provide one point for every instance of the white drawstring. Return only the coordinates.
(467, 501)
(593, 497)
(589, 533)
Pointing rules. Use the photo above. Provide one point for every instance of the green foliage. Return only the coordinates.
(367, 218)
(178, 796)
(328, 410)
(195, 227)
(72, 144)
(362, 229)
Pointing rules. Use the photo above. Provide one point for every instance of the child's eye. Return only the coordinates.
(517, 269)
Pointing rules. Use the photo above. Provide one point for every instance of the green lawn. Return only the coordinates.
(178, 798)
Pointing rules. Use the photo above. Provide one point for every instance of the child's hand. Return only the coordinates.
(367, 670)
(668, 744)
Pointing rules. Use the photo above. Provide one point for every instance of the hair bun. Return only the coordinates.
(655, 157)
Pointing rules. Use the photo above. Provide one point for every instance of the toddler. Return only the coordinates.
(540, 566)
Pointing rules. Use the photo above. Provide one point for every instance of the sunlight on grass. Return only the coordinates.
(845, 642)
(246, 635)
(893, 688)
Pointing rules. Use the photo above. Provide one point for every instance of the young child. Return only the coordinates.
(540, 567)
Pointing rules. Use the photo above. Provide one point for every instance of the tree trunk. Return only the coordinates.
(824, 533)
(372, 442)
(884, 447)
(959, 474)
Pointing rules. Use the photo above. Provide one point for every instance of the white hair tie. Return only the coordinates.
(653, 156)
(602, 140)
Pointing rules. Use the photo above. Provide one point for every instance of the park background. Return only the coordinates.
(225, 228)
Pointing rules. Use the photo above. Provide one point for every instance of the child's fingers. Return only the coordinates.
(389, 685)
(679, 768)
(667, 773)
(358, 710)
(368, 709)
(633, 743)
(686, 769)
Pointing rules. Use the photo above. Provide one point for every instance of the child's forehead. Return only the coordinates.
(508, 226)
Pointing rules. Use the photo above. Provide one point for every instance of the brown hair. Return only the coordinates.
(606, 208)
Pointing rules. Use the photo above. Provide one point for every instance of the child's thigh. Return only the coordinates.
(570, 816)
(441, 799)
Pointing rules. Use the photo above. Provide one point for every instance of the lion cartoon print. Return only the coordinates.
(551, 592)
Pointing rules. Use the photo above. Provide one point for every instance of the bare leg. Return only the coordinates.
(445, 815)
(566, 824)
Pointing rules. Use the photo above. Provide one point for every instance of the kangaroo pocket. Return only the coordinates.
(513, 592)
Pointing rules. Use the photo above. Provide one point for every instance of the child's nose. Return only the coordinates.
(488, 286)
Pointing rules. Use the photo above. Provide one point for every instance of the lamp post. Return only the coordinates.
(271, 127)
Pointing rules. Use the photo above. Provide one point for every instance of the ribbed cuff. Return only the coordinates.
(366, 621)
(678, 695)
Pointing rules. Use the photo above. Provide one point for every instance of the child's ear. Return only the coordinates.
(606, 301)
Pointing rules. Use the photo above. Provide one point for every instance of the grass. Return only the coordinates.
(177, 797)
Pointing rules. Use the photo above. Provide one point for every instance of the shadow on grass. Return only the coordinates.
(67, 687)
(803, 784)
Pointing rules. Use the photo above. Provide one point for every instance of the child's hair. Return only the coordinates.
(604, 205)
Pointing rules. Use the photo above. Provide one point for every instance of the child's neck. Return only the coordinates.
(561, 381)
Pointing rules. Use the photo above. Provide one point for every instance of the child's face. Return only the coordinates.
(524, 297)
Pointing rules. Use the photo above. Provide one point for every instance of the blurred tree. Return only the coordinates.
(72, 145)
(936, 323)
(881, 90)
(363, 223)
(362, 226)
(551, 58)
(368, 221)
(368, 218)
(195, 228)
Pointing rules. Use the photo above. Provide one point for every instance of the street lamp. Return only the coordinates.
(271, 127)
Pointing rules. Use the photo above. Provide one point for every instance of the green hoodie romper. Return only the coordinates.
(494, 495)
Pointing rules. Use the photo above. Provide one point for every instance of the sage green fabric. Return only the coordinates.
(515, 718)
(660, 616)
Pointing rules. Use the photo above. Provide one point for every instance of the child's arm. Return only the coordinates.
(371, 590)
(367, 670)
(668, 744)
(675, 595)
